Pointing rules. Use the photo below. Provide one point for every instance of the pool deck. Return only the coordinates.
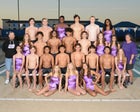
(15, 100)
(21, 100)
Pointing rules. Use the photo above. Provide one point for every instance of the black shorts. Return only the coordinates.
(30, 71)
(93, 69)
(46, 70)
(108, 71)
(129, 66)
(63, 70)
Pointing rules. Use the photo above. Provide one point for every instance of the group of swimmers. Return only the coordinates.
(73, 59)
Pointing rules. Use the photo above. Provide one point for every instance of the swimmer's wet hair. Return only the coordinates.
(39, 33)
(61, 46)
(91, 47)
(31, 19)
(76, 15)
(69, 30)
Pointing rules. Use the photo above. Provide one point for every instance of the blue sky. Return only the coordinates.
(116, 10)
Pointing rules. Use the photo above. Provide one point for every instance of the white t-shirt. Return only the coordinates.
(93, 31)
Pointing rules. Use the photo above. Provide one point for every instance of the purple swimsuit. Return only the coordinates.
(61, 32)
(72, 82)
(54, 81)
(26, 50)
(120, 65)
(100, 50)
(107, 35)
(114, 51)
(89, 83)
(18, 64)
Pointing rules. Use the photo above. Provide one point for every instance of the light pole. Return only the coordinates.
(58, 8)
(18, 14)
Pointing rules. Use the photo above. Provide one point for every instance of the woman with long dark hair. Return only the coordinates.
(120, 62)
(114, 45)
(26, 44)
(108, 30)
(100, 44)
(90, 86)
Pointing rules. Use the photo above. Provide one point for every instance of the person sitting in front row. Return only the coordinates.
(72, 81)
(91, 87)
(53, 85)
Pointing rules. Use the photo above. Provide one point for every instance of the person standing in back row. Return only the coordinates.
(93, 30)
(45, 29)
(60, 27)
(69, 42)
(108, 30)
(32, 30)
(77, 28)
(9, 48)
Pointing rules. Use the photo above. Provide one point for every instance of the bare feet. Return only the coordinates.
(108, 92)
(37, 93)
(112, 90)
(33, 90)
(40, 86)
(30, 89)
(121, 86)
(45, 94)
(38, 90)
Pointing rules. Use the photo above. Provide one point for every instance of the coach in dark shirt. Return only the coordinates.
(9, 48)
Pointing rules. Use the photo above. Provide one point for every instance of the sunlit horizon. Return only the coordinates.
(117, 11)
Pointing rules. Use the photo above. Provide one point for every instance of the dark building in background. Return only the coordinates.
(122, 28)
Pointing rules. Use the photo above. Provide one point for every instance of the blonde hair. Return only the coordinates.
(74, 69)
(59, 71)
(44, 19)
